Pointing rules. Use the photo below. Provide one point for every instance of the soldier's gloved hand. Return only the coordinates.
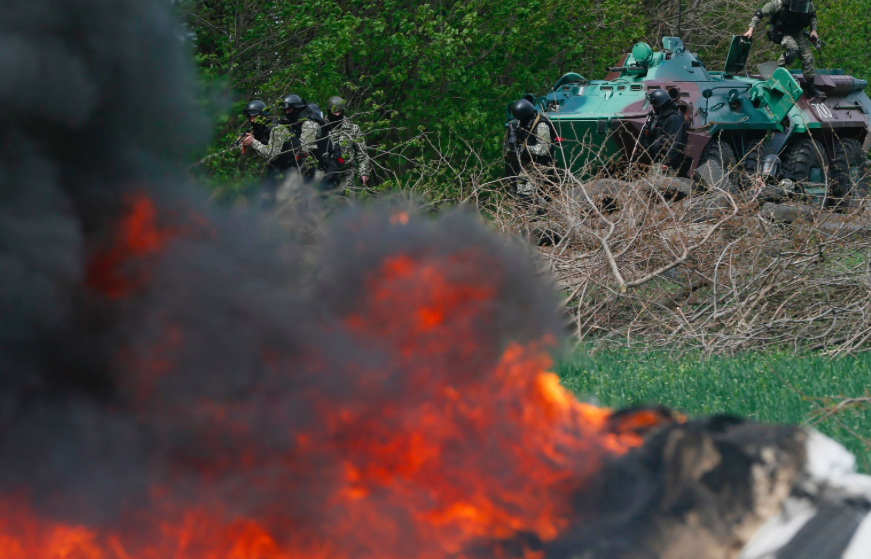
(749, 33)
(247, 140)
(365, 180)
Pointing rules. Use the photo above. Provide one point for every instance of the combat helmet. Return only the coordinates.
(292, 101)
(336, 104)
(658, 98)
(771, 166)
(255, 108)
(799, 6)
(522, 110)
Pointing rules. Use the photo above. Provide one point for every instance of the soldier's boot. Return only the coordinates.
(812, 91)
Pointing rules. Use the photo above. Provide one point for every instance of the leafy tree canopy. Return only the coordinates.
(447, 67)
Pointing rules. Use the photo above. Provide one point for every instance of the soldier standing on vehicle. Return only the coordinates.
(346, 151)
(529, 143)
(788, 19)
(665, 138)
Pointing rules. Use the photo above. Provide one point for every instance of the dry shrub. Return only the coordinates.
(651, 260)
(644, 258)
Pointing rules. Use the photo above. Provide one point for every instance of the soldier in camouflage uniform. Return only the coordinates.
(258, 117)
(529, 142)
(292, 142)
(260, 127)
(788, 19)
(351, 156)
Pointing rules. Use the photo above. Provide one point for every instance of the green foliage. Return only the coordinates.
(771, 387)
(447, 67)
(708, 27)
(845, 26)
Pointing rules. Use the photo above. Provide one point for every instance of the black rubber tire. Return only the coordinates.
(804, 155)
(753, 160)
(850, 173)
(720, 153)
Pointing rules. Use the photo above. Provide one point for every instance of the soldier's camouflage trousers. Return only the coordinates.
(340, 181)
(526, 183)
(798, 46)
(345, 181)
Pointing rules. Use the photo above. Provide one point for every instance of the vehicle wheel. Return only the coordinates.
(752, 162)
(806, 162)
(716, 164)
(850, 172)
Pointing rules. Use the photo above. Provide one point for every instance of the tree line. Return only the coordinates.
(447, 67)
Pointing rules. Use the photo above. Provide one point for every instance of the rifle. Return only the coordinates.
(650, 116)
(511, 152)
(818, 44)
(267, 121)
(242, 137)
(513, 142)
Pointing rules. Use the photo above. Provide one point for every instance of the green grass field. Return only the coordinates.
(771, 387)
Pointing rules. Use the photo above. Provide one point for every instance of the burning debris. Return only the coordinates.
(410, 415)
(178, 383)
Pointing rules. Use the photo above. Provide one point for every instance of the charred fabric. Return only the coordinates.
(182, 382)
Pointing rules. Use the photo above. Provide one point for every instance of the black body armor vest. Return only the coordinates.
(261, 133)
(787, 22)
(287, 158)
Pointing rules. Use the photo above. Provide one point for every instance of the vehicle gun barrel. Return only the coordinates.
(240, 138)
(844, 85)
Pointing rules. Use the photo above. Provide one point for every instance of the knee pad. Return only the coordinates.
(790, 55)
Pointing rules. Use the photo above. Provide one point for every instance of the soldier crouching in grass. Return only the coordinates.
(528, 149)
(788, 19)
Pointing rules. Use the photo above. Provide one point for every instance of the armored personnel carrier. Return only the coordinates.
(735, 118)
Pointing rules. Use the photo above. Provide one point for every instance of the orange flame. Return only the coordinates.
(138, 236)
(480, 447)
(116, 271)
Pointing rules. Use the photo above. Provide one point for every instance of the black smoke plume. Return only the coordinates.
(106, 357)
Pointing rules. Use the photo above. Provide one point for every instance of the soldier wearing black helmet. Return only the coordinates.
(258, 117)
(346, 152)
(665, 138)
(293, 141)
(788, 19)
(260, 127)
(528, 147)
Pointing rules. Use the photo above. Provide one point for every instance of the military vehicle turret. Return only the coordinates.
(735, 118)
